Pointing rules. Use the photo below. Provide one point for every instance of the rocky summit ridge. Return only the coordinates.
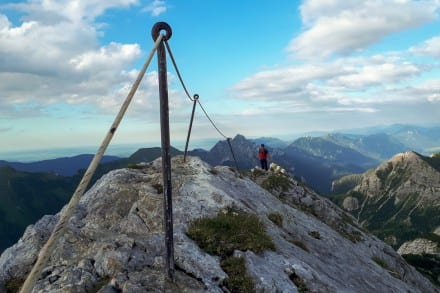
(115, 243)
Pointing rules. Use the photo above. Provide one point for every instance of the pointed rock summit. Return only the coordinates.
(115, 240)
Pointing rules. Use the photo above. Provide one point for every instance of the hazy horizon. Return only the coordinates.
(125, 150)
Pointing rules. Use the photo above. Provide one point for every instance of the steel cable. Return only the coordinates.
(196, 99)
(177, 70)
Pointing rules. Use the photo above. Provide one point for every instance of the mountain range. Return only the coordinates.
(233, 232)
(316, 161)
(65, 166)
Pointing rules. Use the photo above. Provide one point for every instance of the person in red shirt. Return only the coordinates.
(263, 154)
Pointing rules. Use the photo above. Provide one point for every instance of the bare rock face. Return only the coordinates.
(115, 242)
(419, 246)
(401, 177)
(350, 203)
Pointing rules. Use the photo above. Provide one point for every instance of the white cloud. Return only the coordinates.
(58, 59)
(107, 57)
(280, 83)
(156, 8)
(376, 74)
(78, 11)
(430, 47)
(343, 27)
(428, 91)
(347, 84)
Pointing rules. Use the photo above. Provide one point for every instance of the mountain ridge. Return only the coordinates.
(115, 241)
(402, 191)
(64, 166)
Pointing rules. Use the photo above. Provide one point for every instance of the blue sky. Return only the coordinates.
(261, 68)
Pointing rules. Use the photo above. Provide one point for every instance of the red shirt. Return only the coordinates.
(262, 153)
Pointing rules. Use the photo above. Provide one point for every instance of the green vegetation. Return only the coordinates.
(299, 283)
(158, 187)
(354, 236)
(276, 218)
(13, 285)
(231, 230)
(301, 245)
(277, 182)
(228, 231)
(26, 197)
(347, 219)
(315, 234)
(100, 284)
(346, 183)
(339, 198)
(381, 262)
(431, 236)
(134, 166)
(257, 172)
(384, 265)
(406, 225)
(238, 279)
(427, 264)
(382, 174)
(433, 161)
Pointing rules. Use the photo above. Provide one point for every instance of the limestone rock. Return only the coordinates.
(350, 203)
(419, 246)
(115, 243)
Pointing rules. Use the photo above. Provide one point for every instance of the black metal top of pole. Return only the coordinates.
(161, 26)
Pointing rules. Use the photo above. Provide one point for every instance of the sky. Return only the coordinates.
(261, 68)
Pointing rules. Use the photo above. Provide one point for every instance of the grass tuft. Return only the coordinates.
(13, 285)
(301, 245)
(315, 234)
(277, 182)
(238, 279)
(158, 187)
(134, 166)
(232, 230)
(228, 231)
(276, 218)
(299, 283)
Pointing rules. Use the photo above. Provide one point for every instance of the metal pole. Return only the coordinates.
(196, 97)
(166, 150)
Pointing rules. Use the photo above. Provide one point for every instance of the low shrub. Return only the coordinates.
(276, 218)
(228, 231)
(238, 279)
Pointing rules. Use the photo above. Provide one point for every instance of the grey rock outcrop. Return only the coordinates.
(401, 177)
(419, 246)
(350, 203)
(115, 239)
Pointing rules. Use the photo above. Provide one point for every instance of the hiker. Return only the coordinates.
(263, 153)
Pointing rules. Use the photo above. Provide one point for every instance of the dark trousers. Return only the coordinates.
(263, 164)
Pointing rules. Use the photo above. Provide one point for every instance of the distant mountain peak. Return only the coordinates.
(401, 196)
